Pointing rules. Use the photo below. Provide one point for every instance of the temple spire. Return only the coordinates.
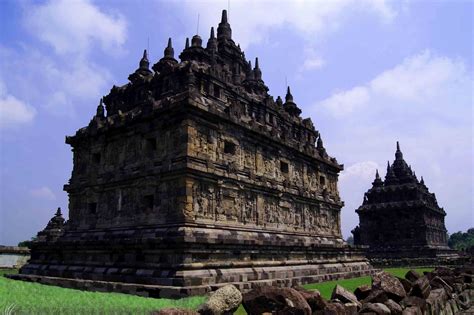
(422, 181)
(186, 46)
(223, 30)
(212, 42)
(398, 153)
(378, 180)
(257, 71)
(58, 212)
(100, 113)
(224, 16)
(144, 63)
(196, 41)
(288, 97)
(169, 51)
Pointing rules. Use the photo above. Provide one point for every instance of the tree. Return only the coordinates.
(462, 241)
(350, 240)
(27, 243)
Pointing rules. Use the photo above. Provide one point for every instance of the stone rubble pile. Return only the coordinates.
(444, 291)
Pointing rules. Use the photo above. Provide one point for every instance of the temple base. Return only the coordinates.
(175, 262)
(244, 279)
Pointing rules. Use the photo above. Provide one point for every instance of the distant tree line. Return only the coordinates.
(462, 241)
(27, 243)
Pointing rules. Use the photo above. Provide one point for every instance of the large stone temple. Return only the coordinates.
(400, 218)
(192, 176)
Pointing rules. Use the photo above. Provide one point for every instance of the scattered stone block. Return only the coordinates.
(412, 275)
(392, 287)
(275, 300)
(377, 308)
(414, 301)
(412, 310)
(313, 298)
(362, 292)
(344, 295)
(225, 300)
(394, 307)
(421, 288)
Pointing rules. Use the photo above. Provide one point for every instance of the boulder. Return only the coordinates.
(174, 311)
(421, 288)
(275, 300)
(313, 298)
(412, 310)
(467, 278)
(375, 296)
(438, 283)
(334, 308)
(406, 284)
(377, 308)
(413, 301)
(362, 292)
(412, 275)
(344, 295)
(225, 300)
(436, 301)
(394, 307)
(351, 308)
(389, 284)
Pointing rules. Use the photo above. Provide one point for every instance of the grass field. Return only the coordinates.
(32, 298)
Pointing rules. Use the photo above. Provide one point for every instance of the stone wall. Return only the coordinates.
(13, 256)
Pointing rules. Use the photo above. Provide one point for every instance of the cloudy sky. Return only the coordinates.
(368, 73)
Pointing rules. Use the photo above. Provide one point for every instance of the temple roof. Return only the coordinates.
(400, 188)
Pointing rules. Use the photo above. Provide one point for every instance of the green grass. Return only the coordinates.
(33, 298)
(351, 284)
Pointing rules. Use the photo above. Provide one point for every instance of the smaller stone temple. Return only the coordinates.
(400, 218)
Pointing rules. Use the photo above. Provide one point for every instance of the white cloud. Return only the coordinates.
(425, 102)
(362, 170)
(75, 26)
(54, 85)
(310, 18)
(418, 80)
(345, 102)
(43, 193)
(13, 112)
(313, 63)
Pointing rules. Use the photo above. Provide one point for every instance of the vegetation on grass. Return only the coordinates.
(462, 241)
(32, 298)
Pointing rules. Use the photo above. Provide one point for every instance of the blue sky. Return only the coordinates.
(368, 73)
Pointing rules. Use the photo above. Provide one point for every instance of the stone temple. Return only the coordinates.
(192, 176)
(400, 218)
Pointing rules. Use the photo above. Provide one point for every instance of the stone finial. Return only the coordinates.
(224, 16)
(398, 153)
(58, 212)
(257, 71)
(279, 101)
(100, 113)
(144, 63)
(288, 97)
(223, 30)
(186, 46)
(422, 181)
(388, 167)
(378, 181)
(212, 42)
(251, 74)
(196, 41)
(169, 51)
(320, 143)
